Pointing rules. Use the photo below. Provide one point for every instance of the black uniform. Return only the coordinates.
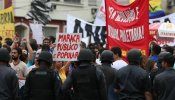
(42, 84)
(132, 81)
(9, 87)
(164, 85)
(88, 83)
(110, 77)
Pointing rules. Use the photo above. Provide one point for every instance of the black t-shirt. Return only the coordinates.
(164, 85)
(133, 82)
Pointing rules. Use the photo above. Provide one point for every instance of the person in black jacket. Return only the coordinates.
(164, 82)
(9, 87)
(107, 58)
(133, 82)
(87, 81)
(42, 83)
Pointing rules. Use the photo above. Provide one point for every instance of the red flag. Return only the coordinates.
(128, 26)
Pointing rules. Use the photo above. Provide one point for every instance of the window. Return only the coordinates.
(50, 31)
(1, 4)
(73, 1)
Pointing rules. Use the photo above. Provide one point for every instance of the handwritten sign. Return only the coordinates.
(67, 47)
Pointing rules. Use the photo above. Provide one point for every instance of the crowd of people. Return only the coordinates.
(98, 73)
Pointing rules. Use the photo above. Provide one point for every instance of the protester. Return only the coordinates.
(19, 66)
(42, 83)
(87, 81)
(164, 82)
(9, 87)
(144, 60)
(167, 48)
(155, 51)
(132, 81)
(118, 62)
(61, 68)
(107, 57)
(36, 65)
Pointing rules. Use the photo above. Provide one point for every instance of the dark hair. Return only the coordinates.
(91, 46)
(8, 41)
(156, 49)
(52, 39)
(23, 57)
(18, 50)
(169, 58)
(45, 47)
(46, 39)
(168, 48)
(117, 50)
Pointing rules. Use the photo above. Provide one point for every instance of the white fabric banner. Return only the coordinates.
(169, 18)
(101, 16)
(96, 34)
(37, 32)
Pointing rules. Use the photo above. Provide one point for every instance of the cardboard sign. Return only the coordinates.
(67, 47)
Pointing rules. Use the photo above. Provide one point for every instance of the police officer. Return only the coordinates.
(132, 81)
(164, 82)
(9, 87)
(107, 58)
(42, 83)
(87, 81)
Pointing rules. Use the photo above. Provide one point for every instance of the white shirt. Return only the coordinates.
(119, 64)
(98, 62)
(30, 68)
(21, 69)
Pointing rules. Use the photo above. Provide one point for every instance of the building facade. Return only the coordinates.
(84, 9)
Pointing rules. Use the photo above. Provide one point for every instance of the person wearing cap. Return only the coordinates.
(164, 82)
(9, 87)
(87, 81)
(42, 83)
(132, 81)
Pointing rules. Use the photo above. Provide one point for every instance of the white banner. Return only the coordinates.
(37, 32)
(101, 16)
(169, 18)
(167, 30)
(67, 47)
(96, 34)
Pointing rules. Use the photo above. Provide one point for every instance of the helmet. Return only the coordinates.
(107, 55)
(134, 55)
(85, 55)
(45, 56)
(4, 55)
